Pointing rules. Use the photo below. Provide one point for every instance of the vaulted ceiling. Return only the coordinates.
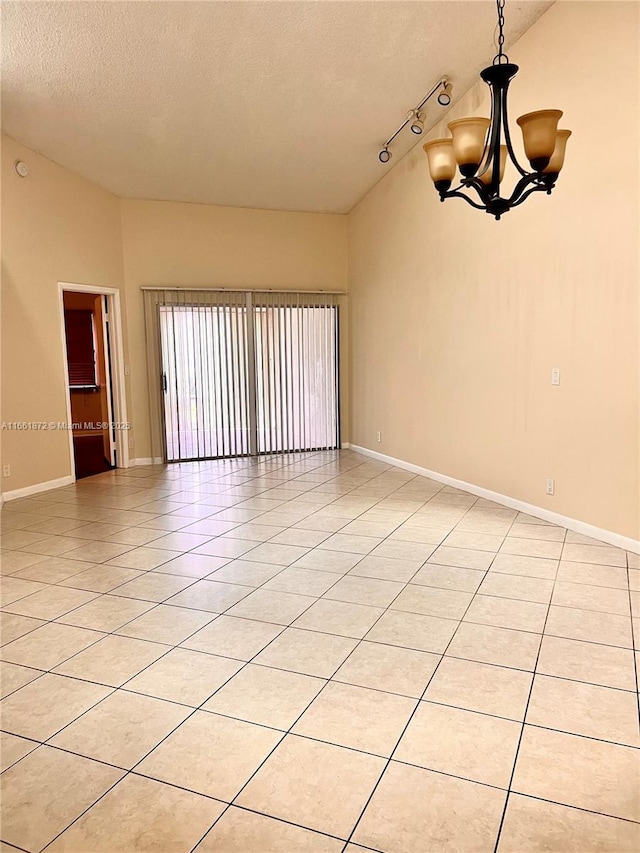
(280, 105)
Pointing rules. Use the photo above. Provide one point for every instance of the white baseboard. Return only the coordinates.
(147, 460)
(574, 524)
(36, 488)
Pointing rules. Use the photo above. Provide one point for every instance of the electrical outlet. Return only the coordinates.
(6, 470)
(555, 376)
(378, 437)
(131, 442)
(551, 487)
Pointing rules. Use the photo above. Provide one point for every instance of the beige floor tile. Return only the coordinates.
(465, 558)
(113, 660)
(240, 831)
(98, 552)
(507, 613)
(480, 687)
(633, 560)
(134, 536)
(47, 604)
(153, 586)
(13, 677)
(414, 810)
(350, 544)
(516, 586)
(610, 576)
(298, 784)
(185, 676)
(302, 581)
(281, 608)
(48, 645)
(448, 577)
(166, 624)
(192, 565)
(141, 815)
(578, 771)
(336, 562)
(13, 748)
(584, 709)
(106, 613)
(54, 546)
(232, 637)
(244, 572)
(362, 590)
(533, 826)
(210, 595)
(211, 755)
(143, 558)
(430, 601)
(461, 743)
(531, 548)
(52, 569)
(538, 531)
(101, 578)
(590, 662)
(475, 541)
(574, 624)
(269, 697)
(357, 717)
(390, 668)
(56, 526)
(531, 567)
(587, 597)
(20, 539)
(229, 548)
(501, 646)
(413, 631)
(602, 555)
(41, 708)
(13, 626)
(181, 541)
(386, 568)
(281, 555)
(339, 617)
(122, 729)
(60, 785)
(12, 589)
(307, 652)
(302, 538)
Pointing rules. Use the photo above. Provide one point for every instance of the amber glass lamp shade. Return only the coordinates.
(557, 158)
(468, 136)
(487, 176)
(442, 163)
(539, 131)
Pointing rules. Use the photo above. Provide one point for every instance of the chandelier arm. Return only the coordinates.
(485, 160)
(457, 194)
(523, 183)
(507, 135)
(536, 189)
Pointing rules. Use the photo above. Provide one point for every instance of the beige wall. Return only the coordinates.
(457, 320)
(191, 245)
(56, 226)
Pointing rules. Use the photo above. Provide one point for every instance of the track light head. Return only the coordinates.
(444, 98)
(384, 156)
(417, 123)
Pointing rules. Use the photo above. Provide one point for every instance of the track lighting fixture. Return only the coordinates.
(480, 147)
(417, 122)
(416, 117)
(444, 98)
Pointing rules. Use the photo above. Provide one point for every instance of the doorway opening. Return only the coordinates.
(94, 394)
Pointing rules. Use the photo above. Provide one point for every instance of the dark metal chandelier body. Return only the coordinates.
(477, 148)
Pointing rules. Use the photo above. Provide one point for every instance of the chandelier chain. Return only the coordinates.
(500, 56)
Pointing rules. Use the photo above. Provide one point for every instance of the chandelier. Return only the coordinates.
(479, 147)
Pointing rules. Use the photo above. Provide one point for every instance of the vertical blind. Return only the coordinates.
(235, 373)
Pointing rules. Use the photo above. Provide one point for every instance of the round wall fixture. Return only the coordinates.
(21, 168)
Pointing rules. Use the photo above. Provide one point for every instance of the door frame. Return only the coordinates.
(116, 368)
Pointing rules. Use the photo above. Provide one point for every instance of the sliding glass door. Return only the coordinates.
(246, 373)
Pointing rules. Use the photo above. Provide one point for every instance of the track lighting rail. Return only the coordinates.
(415, 117)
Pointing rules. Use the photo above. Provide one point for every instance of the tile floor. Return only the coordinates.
(311, 653)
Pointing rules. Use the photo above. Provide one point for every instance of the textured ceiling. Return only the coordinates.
(279, 105)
